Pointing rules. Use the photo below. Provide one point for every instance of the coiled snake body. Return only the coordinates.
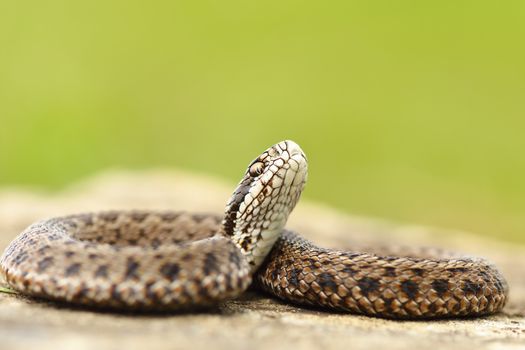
(175, 260)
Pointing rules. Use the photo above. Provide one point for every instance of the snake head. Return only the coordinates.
(259, 207)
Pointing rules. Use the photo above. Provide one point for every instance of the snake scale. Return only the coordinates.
(147, 260)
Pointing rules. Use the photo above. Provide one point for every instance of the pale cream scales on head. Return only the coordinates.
(258, 209)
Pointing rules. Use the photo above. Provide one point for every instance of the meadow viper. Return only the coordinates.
(145, 260)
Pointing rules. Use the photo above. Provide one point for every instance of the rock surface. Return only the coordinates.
(256, 320)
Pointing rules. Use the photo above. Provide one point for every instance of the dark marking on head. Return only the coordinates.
(170, 271)
(72, 270)
(92, 256)
(440, 286)
(131, 269)
(102, 271)
(410, 288)
(69, 254)
(368, 285)
(45, 263)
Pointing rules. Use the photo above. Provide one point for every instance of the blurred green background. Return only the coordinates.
(407, 110)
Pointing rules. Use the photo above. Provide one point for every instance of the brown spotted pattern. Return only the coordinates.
(174, 260)
(382, 285)
(161, 260)
(129, 260)
(142, 260)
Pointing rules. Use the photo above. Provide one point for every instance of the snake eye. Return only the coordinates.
(256, 169)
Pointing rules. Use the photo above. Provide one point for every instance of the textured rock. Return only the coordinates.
(255, 320)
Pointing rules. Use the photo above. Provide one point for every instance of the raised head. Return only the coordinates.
(259, 207)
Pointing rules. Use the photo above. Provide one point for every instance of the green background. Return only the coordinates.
(412, 111)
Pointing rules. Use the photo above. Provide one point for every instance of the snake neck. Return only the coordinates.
(259, 207)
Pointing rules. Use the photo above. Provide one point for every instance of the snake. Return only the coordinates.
(147, 260)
